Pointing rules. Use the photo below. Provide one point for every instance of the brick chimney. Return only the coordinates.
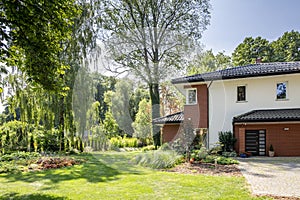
(258, 60)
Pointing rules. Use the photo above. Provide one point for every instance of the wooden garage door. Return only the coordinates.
(256, 142)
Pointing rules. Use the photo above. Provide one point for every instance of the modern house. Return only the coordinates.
(259, 103)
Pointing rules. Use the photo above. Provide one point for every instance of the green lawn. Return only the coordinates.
(111, 175)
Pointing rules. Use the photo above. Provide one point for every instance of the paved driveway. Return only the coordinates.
(279, 176)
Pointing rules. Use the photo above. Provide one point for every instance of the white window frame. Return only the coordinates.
(287, 90)
(187, 96)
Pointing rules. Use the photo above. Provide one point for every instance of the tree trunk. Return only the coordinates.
(154, 96)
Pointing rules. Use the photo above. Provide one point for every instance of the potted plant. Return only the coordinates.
(271, 151)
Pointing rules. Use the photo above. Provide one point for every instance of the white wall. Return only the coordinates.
(260, 94)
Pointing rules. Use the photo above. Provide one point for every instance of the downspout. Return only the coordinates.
(208, 112)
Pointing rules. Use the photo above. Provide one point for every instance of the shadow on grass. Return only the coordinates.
(99, 167)
(16, 196)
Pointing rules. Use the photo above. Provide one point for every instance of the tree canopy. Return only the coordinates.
(33, 33)
(150, 38)
(208, 62)
(285, 48)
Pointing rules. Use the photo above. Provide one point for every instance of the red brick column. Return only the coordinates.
(241, 140)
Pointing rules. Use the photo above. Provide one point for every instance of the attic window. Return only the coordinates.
(191, 96)
(281, 91)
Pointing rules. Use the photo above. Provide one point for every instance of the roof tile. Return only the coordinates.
(173, 118)
(271, 115)
(253, 70)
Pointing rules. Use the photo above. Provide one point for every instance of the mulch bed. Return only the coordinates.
(207, 169)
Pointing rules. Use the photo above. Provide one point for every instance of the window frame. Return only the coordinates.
(187, 96)
(286, 91)
(237, 93)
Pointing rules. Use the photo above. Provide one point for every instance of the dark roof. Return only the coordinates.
(173, 118)
(253, 70)
(272, 115)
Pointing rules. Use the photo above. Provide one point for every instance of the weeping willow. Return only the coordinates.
(39, 107)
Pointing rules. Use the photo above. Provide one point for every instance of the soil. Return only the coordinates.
(207, 168)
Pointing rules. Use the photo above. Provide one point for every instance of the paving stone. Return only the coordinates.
(278, 176)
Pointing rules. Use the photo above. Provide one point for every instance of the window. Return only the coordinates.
(191, 96)
(281, 90)
(241, 93)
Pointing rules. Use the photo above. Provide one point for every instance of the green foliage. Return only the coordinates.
(250, 49)
(159, 159)
(184, 139)
(220, 160)
(120, 107)
(163, 34)
(285, 48)
(227, 140)
(208, 62)
(19, 155)
(143, 123)
(33, 37)
(148, 148)
(199, 154)
(110, 125)
(229, 154)
(119, 142)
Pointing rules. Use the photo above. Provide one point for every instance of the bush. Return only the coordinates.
(158, 159)
(119, 142)
(229, 154)
(148, 148)
(19, 155)
(220, 160)
(227, 140)
(165, 147)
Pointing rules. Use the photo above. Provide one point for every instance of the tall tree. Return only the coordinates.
(32, 34)
(120, 105)
(150, 38)
(286, 47)
(251, 49)
(143, 123)
(207, 62)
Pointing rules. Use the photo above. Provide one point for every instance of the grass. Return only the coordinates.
(112, 175)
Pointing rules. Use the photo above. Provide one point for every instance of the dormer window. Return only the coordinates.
(191, 96)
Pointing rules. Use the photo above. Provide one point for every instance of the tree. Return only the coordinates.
(120, 105)
(138, 95)
(208, 62)
(287, 47)
(143, 124)
(251, 49)
(32, 33)
(171, 100)
(150, 38)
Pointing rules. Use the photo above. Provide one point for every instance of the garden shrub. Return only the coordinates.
(19, 155)
(229, 154)
(227, 140)
(165, 147)
(119, 142)
(220, 160)
(148, 148)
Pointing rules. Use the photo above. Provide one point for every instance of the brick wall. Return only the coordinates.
(169, 131)
(285, 142)
(199, 112)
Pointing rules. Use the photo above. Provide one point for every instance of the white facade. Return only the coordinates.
(260, 94)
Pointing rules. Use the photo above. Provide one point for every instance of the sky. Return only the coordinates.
(233, 20)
